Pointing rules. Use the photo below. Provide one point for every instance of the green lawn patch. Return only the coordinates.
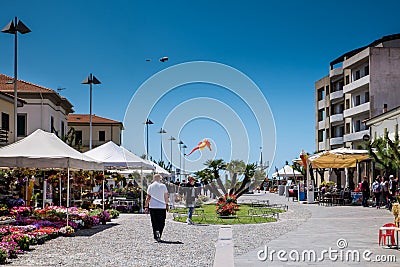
(242, 216)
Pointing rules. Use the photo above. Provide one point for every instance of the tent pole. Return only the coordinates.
(59, 192)
(67, 191)
(310, 184)
(103, 189)
(141, 190)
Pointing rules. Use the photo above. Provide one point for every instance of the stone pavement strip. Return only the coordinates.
(356, 227)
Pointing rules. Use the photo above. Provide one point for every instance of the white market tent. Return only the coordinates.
(113, 155)
(158, 169)
(287, 172)
(45, 150)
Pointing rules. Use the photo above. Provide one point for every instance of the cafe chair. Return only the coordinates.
(386, 234)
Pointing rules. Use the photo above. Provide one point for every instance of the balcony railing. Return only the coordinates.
(336, 141)
(3, 137)
(336, 95)
(355, 136)
(335, 72)
(336, 118)
(321, 146)
(360, 83)
(356, 110)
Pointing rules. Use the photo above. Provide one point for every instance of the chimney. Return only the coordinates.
(384, 108)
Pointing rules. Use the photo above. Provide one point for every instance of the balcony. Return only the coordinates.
(321, 124)
(356, 110)
(321, 146)
(355, 60)
(335, 72)
(360, 83)
(336, 118)
(336, 141)
(355, 136)
(321, 104)
(336, 95)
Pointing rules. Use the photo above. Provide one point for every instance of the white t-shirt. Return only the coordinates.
(157, 190)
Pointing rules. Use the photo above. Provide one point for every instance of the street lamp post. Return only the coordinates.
(13, 28)
(147, 122)
(184, 155)
(161, 132)
(91, 79)
(171, 139)
(180, 143)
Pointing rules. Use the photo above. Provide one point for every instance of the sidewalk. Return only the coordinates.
(357, 226)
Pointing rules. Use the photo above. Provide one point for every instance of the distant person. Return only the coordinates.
(392, 186)
(157, 203)
(16, 201)
(365, 191)
(377, 190)
(385, 192)
(190, 191)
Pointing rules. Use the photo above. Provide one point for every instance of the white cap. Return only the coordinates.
(391, 176)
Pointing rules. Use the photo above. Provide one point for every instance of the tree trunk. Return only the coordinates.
(233, 183)
(221, 185)
(211, 186)
(242, 186)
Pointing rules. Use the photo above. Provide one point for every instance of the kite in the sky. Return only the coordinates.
(203, 144)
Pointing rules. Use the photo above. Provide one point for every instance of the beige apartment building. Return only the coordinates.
(360, 85)
(103, 130)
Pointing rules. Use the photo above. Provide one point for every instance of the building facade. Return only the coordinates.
(43, 109)
(359, 85)
(103, 131)
(388, 122)
(7, 117)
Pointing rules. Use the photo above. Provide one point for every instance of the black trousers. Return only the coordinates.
(158, 220)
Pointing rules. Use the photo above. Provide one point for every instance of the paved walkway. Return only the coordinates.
(355, 225)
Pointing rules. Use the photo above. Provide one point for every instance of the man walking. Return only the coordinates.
(365, 192)
(157, 204)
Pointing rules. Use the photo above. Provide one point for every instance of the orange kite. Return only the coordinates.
(203, 144)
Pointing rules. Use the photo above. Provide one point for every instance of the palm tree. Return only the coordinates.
(248, 174)
(215, 166)
(235, 167)
(206, 177)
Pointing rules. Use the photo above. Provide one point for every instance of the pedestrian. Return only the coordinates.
(385, 192)
(377, 190)
(365, 191)
(190, 198)
(157, 204)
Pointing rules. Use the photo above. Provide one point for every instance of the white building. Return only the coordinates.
(44, 108)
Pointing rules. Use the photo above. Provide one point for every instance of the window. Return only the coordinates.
(62, 129)
(321, 115)
(341, 108)
(347, 79)
(320, 94)
(327, 133)
(341, 131)
(102, 136)
(357, 75)
(348, 128)
(358, 100)
(347, 103)
(366, 70)
(320, 135)
(366, 97)
(357, 126)
(21, 125)
(327, 112)
(78, 138)
(5, 121)
(327, 89)
(52, 124)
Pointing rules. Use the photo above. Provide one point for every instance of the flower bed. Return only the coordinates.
(37, 226)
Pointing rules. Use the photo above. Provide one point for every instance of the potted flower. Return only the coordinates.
(104, 217)
(66, 231)
(227, 205)
(3, 255)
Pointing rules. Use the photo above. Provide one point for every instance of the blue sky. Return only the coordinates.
(282, 46)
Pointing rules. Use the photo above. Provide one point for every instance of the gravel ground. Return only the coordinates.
(252, 236)
(127, 241)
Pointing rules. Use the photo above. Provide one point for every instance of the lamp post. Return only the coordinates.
(184, 155)
(161, 132)
(91, 79)
(171, 139)
(180, 143)
(13, 27)
(147, 122)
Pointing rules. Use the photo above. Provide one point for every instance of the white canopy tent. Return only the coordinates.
(287, 172)
(113, 155)
(45, 150)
